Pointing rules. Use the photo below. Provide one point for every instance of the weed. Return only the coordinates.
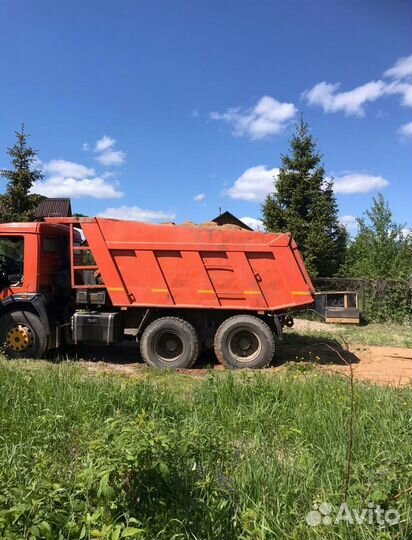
(232, 456)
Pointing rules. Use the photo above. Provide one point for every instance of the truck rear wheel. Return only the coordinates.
(22, 335)
(170, 342)
(244, 341)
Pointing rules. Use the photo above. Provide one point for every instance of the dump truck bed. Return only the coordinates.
(193, 267)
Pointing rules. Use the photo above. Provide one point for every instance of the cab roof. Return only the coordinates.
(31, 227)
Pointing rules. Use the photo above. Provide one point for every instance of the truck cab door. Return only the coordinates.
(11, 264)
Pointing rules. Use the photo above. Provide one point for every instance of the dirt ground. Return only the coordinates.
(383, 365)
(380, 365)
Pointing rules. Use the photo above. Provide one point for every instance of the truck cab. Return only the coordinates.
(34, 279)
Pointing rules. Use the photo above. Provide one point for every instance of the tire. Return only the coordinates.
(244, 341)
(22, 335)
(170, 342)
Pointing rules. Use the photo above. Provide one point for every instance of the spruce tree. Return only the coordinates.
(304, 204)
(18, 204)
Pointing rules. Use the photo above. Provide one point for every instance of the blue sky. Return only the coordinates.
(168, 110)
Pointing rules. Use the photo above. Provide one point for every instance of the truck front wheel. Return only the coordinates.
(22, 335)
(244, 341)
(170, 342)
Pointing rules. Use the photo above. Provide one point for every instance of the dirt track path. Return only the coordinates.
(380, 365)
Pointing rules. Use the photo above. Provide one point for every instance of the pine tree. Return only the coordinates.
(382, 249)
(304, 204)
(18, 204)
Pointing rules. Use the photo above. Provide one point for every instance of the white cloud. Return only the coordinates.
(134, 213)
(257, 182)
(108, 174)
(351, 103)
(57, 186)
(63, 168)
(104, 144)
(86, 147)
(401, 73)
(106, 153)
(406, 130)
(404, 89)
(254, 184)
(111, 157)
(253, 223)
(358, 183)
(349, 222)
(70, 179)
(199, 197)
(267, 117)
(401, 69)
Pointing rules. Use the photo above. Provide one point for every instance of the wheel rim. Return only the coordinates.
(168, 346)
(244, 345)
(19, 338)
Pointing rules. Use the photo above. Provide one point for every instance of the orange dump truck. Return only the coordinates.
(174, 289)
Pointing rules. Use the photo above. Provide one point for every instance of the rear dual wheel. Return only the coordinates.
(170, 342)
(244, 341)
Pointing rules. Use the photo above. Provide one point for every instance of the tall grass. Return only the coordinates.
(242, 456)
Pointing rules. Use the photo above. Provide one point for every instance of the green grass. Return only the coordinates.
(228, 456)
(388, 334)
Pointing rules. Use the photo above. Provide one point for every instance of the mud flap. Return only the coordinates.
(278, 327)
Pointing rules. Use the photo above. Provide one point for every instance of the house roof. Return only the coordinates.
(228, 217)
(54, 208)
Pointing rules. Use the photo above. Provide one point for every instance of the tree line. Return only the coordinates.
(303, 203)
